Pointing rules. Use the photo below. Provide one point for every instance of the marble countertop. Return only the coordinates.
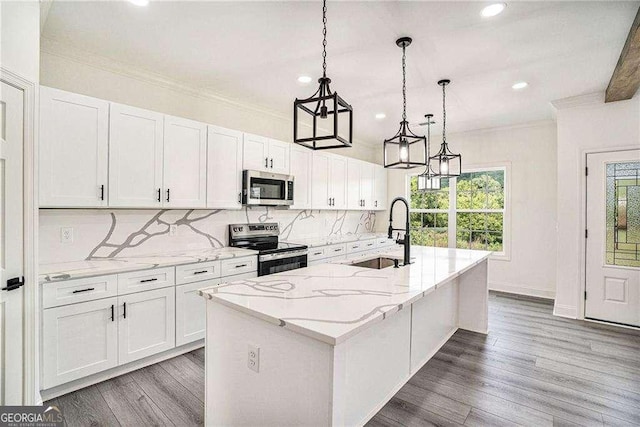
(314, 242)
(333, 304)
(99, 267)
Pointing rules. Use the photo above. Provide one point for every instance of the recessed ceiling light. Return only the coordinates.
(519, 85)
(304, 79)
(139, 2)
(380, 116)
(493, 10)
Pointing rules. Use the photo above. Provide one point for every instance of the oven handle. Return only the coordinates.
(283, 255)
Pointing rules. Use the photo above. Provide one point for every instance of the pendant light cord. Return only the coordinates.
(404, 84)
(324, 38)
(444, 116)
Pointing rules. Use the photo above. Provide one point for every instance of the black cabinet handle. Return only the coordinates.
(82, 290)
(113, 316)
(266, 162)
(168, 194)
(124, 307)
(149, 280)
(239, 197)
(241, 265)
(200, 272)
(317, 253)
(337, 250)
(102, 192)
(159, 194)
(271, 163)
(13, 284)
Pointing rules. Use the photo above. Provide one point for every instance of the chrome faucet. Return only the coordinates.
(406, 241)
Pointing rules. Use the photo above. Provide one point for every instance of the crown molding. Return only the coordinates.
(525, 125)
(579, 101)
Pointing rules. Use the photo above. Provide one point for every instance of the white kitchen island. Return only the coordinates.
(334, 342)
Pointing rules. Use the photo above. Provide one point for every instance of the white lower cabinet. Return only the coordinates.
(79, 340)
(190, 312)
(146, 324)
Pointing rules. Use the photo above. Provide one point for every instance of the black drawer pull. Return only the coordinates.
(317, 253)
(149, 280)
(337, 250)
(369, 244)
(200, 272)
(83, 290)
(241, 265)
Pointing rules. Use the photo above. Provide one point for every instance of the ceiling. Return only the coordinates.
(253, 52)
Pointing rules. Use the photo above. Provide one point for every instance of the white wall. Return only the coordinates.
(530, 150)
(585, 124)
(20, 38)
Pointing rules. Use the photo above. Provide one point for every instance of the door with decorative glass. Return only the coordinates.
(613, 237)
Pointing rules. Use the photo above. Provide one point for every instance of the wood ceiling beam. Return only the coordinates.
(625, 80)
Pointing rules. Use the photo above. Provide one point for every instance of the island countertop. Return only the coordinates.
(332, 302)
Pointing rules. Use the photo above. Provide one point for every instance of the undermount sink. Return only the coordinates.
(376, 263)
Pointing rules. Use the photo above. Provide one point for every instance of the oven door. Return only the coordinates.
(267, 189)
(284, 261)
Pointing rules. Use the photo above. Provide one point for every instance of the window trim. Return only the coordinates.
(452, 212)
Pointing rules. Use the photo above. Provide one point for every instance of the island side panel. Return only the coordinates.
(473, 295)
(434, 319)
(370, 367)
(292, 387)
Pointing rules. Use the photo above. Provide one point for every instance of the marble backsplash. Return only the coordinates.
(99, 234)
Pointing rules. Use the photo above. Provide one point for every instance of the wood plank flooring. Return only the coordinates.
(533, 369)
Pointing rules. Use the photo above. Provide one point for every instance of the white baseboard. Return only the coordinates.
(567, 311)
(521, 290)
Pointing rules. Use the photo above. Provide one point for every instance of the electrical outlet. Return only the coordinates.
(66, 235)
(253, 358)
(173, 230)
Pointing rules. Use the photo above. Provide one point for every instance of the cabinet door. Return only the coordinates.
(74, 131)
(320, 181)
(78, 340)
(354, 194)
(380, 188)
(255, 152)
(190, 312)
(185, 163)
(146, 324)
(279, 156)
(224, 168)
(135, 157)
(338, 182)
(301, 169)
(367, 177)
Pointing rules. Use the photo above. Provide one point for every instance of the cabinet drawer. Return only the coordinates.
(359, 246)
(230, 267)
(369, 245)
(197, 272)
(145, 280)
(336, 250)
(317, 253)
(384, 242)
(78, 290)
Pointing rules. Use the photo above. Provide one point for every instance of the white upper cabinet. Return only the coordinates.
(135, 157)
(301, 169)
(224, 168)
(185, 163)
(320, 181)
(74, 131)
(338, 182)
(367, 178)
(264, 154)
(380, 188)
(354, 196)
(329, 184)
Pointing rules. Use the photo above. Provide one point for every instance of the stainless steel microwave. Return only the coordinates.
(266, 188)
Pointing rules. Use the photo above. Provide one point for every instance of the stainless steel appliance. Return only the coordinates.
(273, 256)
(266, 188)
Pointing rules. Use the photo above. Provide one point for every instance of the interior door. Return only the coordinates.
(11, 244)
(613, 237)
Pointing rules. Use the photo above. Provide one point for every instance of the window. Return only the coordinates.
(468, 212)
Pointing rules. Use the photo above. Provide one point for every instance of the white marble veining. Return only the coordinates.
(97, 267)
(331, 302)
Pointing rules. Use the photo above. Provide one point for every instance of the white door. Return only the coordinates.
(367, 177)
(279, 156)
(146, 324)
(255, 152)
(301, 160)
(354, 196)
(338, 182)
(74, 132)
(613, 237)
(320, 181)
(380, 188)
(79, 340)
(224, 168)
(190, 312)
(11, 244)
(185, 163)
(135, 157)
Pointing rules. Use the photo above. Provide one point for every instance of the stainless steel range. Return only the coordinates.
(273, 256)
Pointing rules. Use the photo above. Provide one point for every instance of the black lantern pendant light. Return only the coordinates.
(397, 150)
(445, 163)
(428, 180)
(323, 110)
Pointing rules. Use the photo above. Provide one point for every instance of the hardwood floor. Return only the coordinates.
(533, 369)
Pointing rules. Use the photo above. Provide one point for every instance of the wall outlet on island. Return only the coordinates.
(173, 230)
(66, 235)
(253, 358)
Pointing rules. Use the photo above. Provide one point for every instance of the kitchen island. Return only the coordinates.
(332, 343)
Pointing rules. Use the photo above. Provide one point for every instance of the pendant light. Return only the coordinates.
(427, 180)
(445, 163)
(323, 110)
(397, 149)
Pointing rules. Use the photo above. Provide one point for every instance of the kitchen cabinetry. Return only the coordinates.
(265, 154)
(74, 131)
(379, 188)
(338, 182)
(190, 311)
(184, 163)
(301, 169)
(135, 157)
(329, 181)
(224, 168)
(360, 185)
